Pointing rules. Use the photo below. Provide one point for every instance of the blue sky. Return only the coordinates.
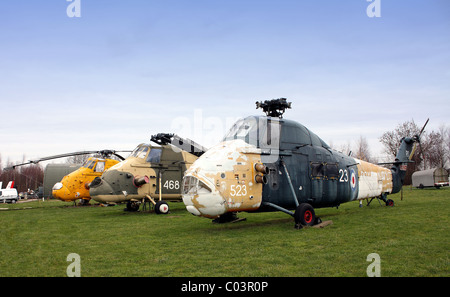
(126, 70)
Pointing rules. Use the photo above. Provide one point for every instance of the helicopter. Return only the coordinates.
(267, 163)
(150, 174)
(75, 185)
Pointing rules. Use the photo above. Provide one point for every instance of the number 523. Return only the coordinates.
(238, 190)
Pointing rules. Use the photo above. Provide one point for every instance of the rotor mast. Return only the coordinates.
(274, 107)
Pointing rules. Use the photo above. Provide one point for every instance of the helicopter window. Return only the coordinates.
(202, 188)
(90, 165)
(245, 129)
(100, 166)
(317, 169)
(189, 185)
(134, 153)
(332, 171)
(141, 153)
(192, 185)
(154, 156)
(315, 139)
(261, 132)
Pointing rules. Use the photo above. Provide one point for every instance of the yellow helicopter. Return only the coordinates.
(150, 174)
(75, 185)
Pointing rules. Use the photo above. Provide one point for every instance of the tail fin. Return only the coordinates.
(406, 150)
(10, 185)
(404, 155)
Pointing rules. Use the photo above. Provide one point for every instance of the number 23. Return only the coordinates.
(343, 175)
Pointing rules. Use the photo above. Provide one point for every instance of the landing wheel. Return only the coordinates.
(84, 202)
(132, 206)
(304, 215)
(161, 207)
(229, 217)
(390, 202)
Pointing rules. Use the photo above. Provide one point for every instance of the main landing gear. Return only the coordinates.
(305, 216)
(388, 202)
(161, 207)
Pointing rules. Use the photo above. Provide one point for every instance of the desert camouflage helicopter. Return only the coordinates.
(267, 163)
(75, 185)
(151, 173)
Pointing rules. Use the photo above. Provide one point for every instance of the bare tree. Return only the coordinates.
(362, 151)
(392, 139)
(445, 133)
(433, 150)
(346, 149)
(25, 178)
(78, 159)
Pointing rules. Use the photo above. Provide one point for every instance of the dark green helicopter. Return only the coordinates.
(267, 163)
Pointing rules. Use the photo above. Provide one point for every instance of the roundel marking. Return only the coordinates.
(352, 179)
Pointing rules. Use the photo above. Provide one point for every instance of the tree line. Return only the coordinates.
(26, 178)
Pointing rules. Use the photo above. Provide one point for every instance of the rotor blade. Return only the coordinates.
(423, 128)
(119, 156)
(51, 158)
(423, 157)
(413, 150)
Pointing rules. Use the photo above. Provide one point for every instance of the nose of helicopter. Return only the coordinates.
(101, 190)
(60, 191)
(116, 186)
(201, 198)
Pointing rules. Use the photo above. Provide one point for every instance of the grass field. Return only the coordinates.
(412, 239)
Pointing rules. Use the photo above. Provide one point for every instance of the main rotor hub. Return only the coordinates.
(274, 107)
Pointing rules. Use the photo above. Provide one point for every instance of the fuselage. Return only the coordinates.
(76, 184)
(154, 171)
(266, 162)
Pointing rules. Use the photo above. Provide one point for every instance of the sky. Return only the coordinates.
(125, 70)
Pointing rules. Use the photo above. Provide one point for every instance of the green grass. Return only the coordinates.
(411, 238)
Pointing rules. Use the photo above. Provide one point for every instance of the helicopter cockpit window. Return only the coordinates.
(261, 132)
(140, 152)
(100, 166)
(245, 129)
(89, 164)
(92, 164)
(154, 156)
(193, 186)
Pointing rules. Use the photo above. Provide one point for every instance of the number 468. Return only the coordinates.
(171, 184)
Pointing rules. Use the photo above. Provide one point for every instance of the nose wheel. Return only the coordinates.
(161, 207)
